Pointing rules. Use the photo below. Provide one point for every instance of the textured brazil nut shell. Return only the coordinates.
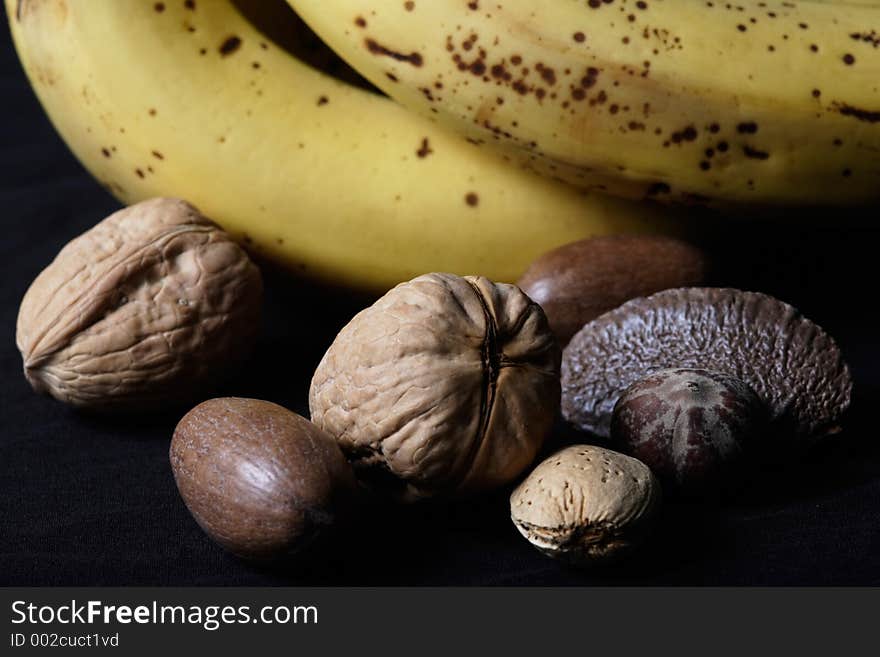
(444, 386)
(144, 308)
(790, 362)
(586, 504)
(262, 481)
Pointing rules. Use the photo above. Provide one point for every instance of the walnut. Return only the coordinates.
(143, 309)
(445, 386)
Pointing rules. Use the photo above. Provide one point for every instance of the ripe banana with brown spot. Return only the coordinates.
(189, 99)
(769, 102)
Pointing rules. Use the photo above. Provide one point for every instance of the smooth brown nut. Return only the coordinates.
(146, 308)
(444, 386)
(577, 282)
(795, 367)
(586, 505)
(260, 480)
(692, 427)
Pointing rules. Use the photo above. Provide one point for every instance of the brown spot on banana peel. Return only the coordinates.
(376, 48)
(869, 116)
(871, 37)
(754, 153)
(229, 46)
(425, 149)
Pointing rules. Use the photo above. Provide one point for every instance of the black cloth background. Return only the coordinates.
(91, 501)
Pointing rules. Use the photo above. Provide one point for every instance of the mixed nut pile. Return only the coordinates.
(444, 387)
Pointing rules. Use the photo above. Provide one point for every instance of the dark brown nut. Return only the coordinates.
(262, 481)
(692, 427)
(577, 282)
(145, 308)
(586, 505)
(793, 365)
(446, 385)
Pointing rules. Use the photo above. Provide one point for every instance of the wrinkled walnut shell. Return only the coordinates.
(586, 505)
(146, 308)
(790, 362)
(446, 385)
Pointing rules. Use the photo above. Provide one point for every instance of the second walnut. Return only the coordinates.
(445, 386)
(146, 309)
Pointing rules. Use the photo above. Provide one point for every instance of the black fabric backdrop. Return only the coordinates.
(91, 501)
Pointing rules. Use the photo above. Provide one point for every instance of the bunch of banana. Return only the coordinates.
(771, 102)
(190, 99)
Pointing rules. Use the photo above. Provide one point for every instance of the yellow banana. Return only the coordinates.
(769, 102)
(189, 99)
